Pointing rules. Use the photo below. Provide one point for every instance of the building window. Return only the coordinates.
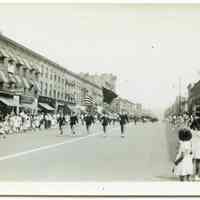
(24, 72)
(1, 60)
(50, 93)
(46, 75)
(11, 67)
(45, 92)
(41, 86)
(54, 94)
(46, 89)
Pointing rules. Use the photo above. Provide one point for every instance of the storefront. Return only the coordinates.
(61, 106)
(28, 103)
(7, 104)
(46, 104)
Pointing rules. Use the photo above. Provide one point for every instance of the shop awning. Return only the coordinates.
(3, 78)
(7, 101)
(31, 106)
(46, 106)
(25, 82)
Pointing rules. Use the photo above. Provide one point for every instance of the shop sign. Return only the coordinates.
(26, 99)
(17, 91)
(47, 100)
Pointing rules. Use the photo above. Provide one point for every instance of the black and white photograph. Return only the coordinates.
(99, 93)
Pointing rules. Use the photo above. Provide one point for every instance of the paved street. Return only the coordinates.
(143, 155)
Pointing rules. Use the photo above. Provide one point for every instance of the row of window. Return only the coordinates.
(16, 69)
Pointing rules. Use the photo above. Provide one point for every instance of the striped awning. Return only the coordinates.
(25, 83)
(3, 78)
(46, 106)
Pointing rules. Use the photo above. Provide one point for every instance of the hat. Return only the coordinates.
(184, 134)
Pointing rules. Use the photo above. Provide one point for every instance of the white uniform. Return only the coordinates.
(185, 167)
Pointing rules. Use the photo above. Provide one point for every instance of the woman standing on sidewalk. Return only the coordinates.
(88, 122)
(183, 163)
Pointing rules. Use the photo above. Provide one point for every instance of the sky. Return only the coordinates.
(148, 47)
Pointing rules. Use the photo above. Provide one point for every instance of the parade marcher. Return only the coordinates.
(42, 120)
(73, 122)
(2, 131)
(82, 119)
(123, 119)
(135, 119)
(18, 123)
(61, 122)
(183, 164)
(104, 122)
(88, 122)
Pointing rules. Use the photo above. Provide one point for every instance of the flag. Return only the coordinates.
(108, 96)
(88, 101)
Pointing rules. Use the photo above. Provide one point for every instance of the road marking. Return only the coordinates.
(49, 146)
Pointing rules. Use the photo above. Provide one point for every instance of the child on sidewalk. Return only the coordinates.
(183, 163)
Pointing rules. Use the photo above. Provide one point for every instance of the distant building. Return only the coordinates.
(194, 98)
(102, 80)
(179, 106)
(123, 105)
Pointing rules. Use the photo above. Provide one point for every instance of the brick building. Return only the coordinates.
(30, 80)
